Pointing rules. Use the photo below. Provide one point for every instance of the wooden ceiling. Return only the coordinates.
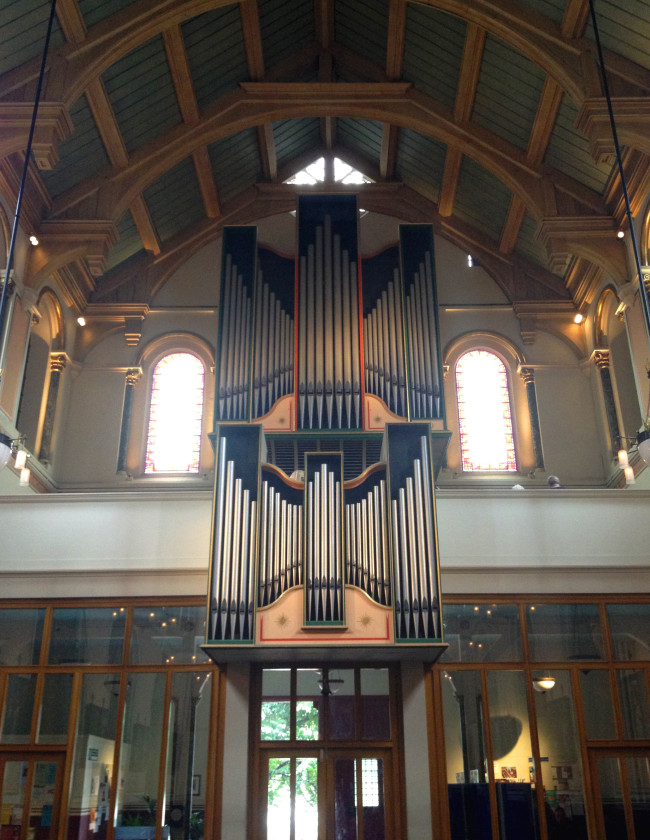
(163, 120)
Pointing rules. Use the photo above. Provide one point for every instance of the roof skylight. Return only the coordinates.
(316, 172)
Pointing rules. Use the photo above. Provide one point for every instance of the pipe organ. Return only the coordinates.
(328, 353)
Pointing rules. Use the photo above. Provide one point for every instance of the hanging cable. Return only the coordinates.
(23, 180)
(628, 209)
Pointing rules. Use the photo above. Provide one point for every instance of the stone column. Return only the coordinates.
(132, 376)
(57, 363)
(601, 360)
(528, 376)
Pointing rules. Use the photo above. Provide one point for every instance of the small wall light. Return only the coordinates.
(34, 240)
(578, 318)
(81, 321)
(470, 261)
(620, 234)
(543, 684)
(21, 459)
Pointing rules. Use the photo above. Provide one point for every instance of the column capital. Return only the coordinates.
(132, 375)
(527, 374)
(57, 362)
(601, 359)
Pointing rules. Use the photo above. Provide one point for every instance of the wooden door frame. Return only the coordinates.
(594, 753)
(33, 756)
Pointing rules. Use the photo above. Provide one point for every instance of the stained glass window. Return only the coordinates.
(174, 436)
(484, 414)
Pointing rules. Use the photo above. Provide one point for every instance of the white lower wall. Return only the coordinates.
(492, 541)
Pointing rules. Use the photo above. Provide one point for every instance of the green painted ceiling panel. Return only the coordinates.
(215, 51)
(174, 201)
(552, 9)
(81, 154)
(128, 244)
(506, 103)
(94, 11)
(23, 29)
(293, 137)
(569, 151)
(141, 92)
(433, 52)
(236, 163)
(361, 136)
(528, 245)
(624, 28)
(362, 26)
(482, 200)
(285, 23)
(420, 162)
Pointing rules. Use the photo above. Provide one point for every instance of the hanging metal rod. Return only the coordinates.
(23, 180)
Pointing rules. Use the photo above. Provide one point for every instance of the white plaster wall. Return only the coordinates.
(490, 541)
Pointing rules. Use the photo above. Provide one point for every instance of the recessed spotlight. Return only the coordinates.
(33, 239)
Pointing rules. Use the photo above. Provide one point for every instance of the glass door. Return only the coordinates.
(30, 795)
(621, 784)
(329, 795)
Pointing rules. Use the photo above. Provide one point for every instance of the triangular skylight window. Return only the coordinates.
(315, 174)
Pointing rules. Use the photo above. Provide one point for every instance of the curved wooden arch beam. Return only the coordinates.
(78, 64)
(65, 241)
(510, 272)
(259, 103)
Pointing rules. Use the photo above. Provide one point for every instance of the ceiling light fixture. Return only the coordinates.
(621, 234)
(329, 685)
(81, 321)
(470, 261)
(578, 318)
(34, 240)
(543, 684)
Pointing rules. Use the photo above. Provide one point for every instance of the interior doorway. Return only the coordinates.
(333, 795)
(327, 757)
(30, 795)
(621, 785)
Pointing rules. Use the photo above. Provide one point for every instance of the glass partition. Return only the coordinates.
(94, 748)
(633, 697)
(514, 771)
(55, 709)
(19, 709)
(597, 704)
(561, 632)
(629, 627)
(167, 635)
(137, 787)
(21, 633)
(187, 754)
(559, 749)
(375, 704)
(467, 778)
(482, 633)
(276, 704)
(82, 636)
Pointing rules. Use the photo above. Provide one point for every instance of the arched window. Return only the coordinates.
(484, 413)
(175, 415)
